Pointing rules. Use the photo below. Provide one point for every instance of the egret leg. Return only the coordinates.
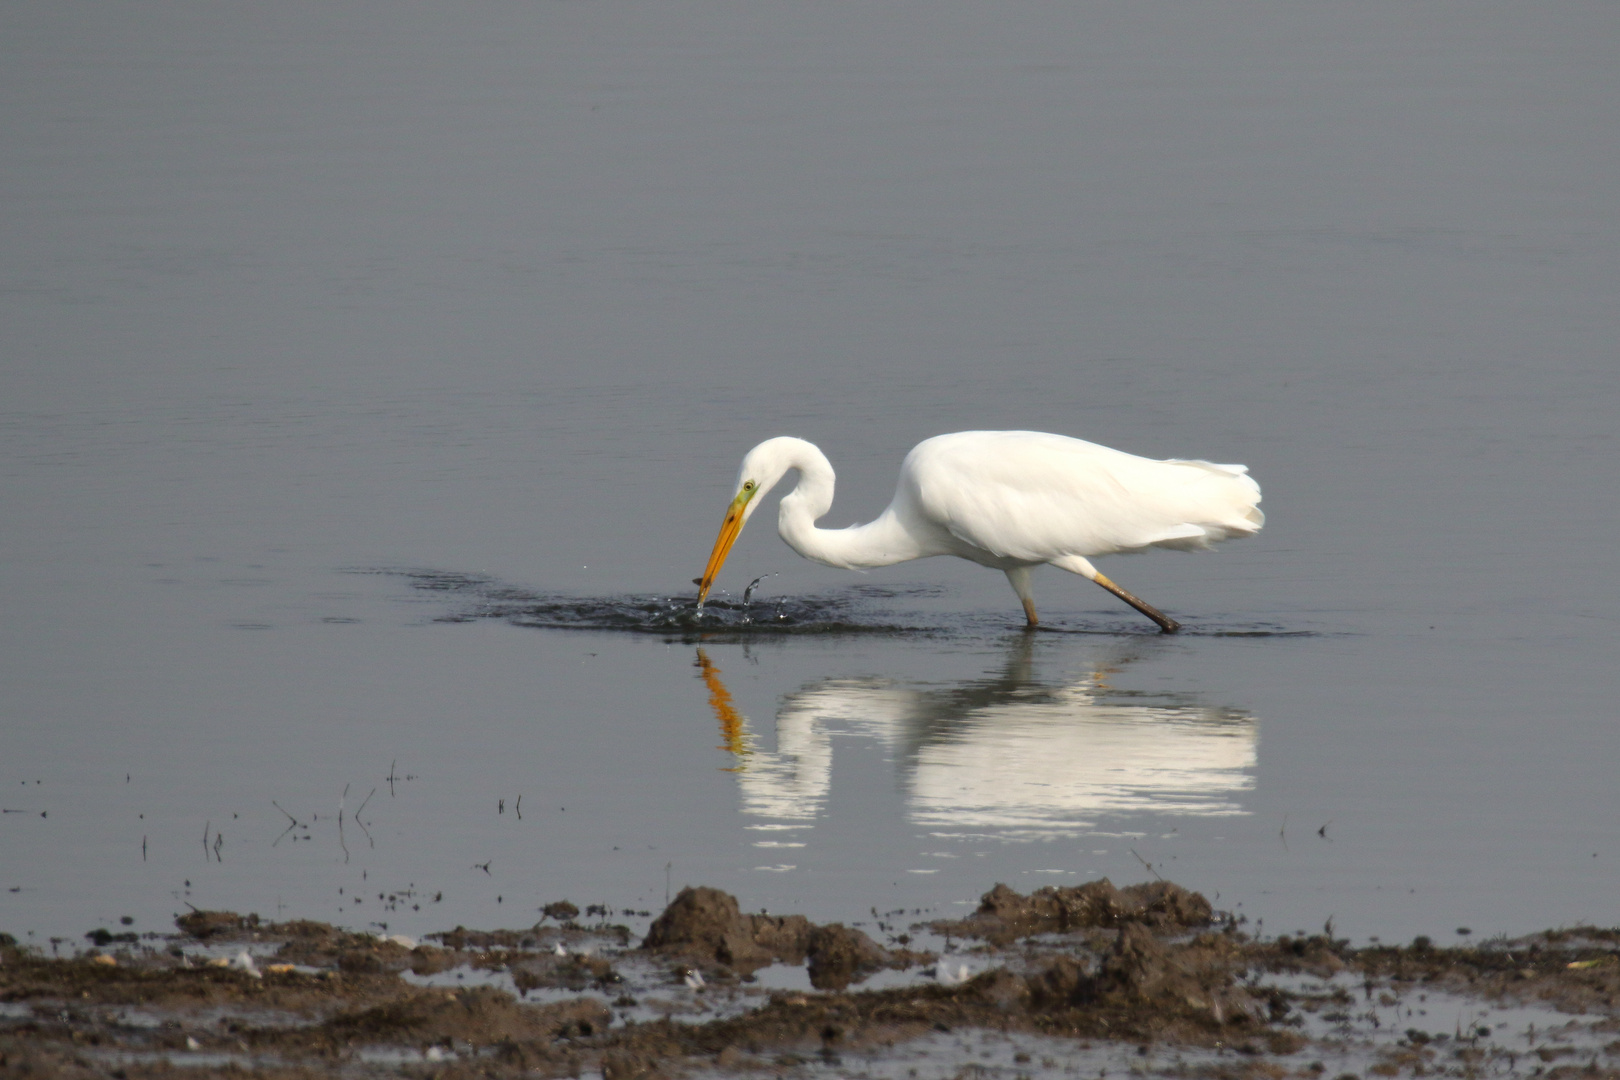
(1166, 623)
(1074, 564)
(1019, 578)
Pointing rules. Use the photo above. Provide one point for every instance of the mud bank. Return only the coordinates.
(1091, 980)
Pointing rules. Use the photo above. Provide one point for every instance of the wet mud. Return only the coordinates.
(1146, 980)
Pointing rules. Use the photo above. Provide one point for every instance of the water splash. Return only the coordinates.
(479, 598)
(748, 593)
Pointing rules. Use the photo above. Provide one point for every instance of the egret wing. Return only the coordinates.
(1034, 497)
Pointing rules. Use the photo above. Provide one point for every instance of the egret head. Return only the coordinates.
(761, 469)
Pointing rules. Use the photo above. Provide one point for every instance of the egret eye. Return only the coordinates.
(748, 486)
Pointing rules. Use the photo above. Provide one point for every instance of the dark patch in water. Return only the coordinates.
(485, 598)
(863, 609)
(1271, 632)
(1188, 630)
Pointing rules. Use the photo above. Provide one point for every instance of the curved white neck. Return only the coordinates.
(877, 543)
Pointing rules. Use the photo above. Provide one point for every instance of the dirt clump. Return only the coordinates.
(210, 925)
(479, 1015)
(561, 910)
(839, 955)
(321, 946)
(706, 925)
(536, 937)
(1005, 915)
(1150, 988)
(574, 971)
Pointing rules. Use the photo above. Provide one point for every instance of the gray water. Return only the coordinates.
(349, 348)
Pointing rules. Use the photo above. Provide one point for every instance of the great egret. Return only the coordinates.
(1005, 499)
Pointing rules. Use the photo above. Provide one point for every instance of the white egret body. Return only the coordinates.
(1010, 500)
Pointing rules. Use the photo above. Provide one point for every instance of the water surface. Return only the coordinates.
(307, 307)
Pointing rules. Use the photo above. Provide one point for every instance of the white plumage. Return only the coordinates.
(1005, 499)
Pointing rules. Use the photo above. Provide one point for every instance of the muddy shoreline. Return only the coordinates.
(1093, 979)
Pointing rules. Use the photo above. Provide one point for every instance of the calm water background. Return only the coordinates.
(293, 291)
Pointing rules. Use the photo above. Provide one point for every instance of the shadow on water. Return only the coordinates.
(1011, 754)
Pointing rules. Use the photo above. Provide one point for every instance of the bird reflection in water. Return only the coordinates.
(1008, 755)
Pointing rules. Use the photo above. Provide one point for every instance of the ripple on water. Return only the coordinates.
(863, 609)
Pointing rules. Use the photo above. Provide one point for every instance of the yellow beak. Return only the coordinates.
(729, 531)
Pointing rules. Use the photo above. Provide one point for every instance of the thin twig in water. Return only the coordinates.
(206, 826)
(292, 823)
(1147, 864)
(519, 808)
(362, 824)
(341, 844)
